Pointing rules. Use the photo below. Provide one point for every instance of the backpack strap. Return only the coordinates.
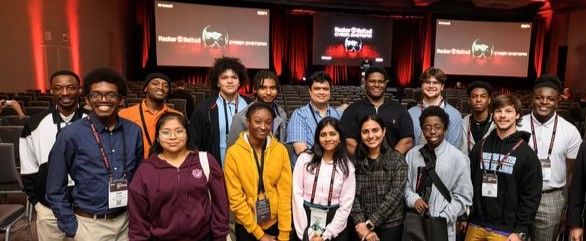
(205, 165)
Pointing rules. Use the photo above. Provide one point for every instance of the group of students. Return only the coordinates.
(149, 173)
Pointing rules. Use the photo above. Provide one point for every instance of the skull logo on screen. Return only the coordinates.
(482, 50)
(214, 38)
(353, 44)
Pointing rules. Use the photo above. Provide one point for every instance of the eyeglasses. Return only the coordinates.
(60, 88)
(435, 128)
(95, 96)
(167, 133)
(432, 83)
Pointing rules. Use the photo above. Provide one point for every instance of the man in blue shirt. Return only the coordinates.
(100, 152)
(433, 81)
(303, 122)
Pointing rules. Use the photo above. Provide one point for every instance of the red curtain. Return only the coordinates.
(144, 17)
(277, 40)
(408, 49)
(540, 30)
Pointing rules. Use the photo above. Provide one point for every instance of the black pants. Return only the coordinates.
(243, 235)
(391, 234)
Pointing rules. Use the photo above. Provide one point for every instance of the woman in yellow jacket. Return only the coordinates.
(261, 206)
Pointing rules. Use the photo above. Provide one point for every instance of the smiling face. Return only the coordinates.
(545, 102)
(228, 82)
(434, 131)
(329, 138)
(320, 92)
(432, 88)
(259, 124)
(375, 85)
(157, 89)
(104, 99)
(172, 136)
(65, 90)
(372, 134)
(505, 118)
(267, 91)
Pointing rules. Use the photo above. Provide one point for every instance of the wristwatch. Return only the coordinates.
(369, 225)
(522, 236)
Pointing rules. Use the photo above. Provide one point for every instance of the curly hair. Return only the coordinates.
(223, 64)
(104, 74)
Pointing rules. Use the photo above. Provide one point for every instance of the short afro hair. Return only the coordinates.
(479, 84)
(65, 72)
(376, 69)
(104, 74)
(434, 111)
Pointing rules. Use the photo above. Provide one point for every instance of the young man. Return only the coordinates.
(433, 81)
(266, 89)
(36, 141)
(451, 166)
(397, 120)
(556, 142)
(507, 179)
(210, 123)
(156, 87)
(478, 124)
(301, 129)
(100, 152)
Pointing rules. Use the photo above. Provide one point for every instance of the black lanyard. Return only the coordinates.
(331, 184)
(486, 127)
(500, 163)
(555, 127)
(226, 112)
(104, 157)
(313, 113)
(144, 126)
(261, 186)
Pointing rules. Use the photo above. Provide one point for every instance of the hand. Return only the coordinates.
(316, 238)
(362, 230)
(420, 205)
(461, 226)
(267, 237)
(563, 222)
(576, 234)
(514, 237)
(372, 237)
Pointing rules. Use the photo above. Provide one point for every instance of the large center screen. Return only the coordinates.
(350, 39)
(482, 48)
(194, 34)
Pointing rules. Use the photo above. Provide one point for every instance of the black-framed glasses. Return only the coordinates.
(95, 96)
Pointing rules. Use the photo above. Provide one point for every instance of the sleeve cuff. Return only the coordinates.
(284, 235)
(258, 233)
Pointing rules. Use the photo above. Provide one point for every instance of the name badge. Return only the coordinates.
(546, 169)
(118, 193)
(317, 220)
(489, 185)
(262, 210)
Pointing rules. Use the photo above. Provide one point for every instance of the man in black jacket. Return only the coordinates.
(507, 179)
(210, 122)
(575, 213)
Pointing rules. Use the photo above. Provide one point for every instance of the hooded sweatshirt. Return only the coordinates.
(242, 184)
(519, 184)
(170, 203)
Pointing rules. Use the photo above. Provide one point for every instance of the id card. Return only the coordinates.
(317, 220)
(118, 193)
(546, 169)
(489, 185)
(262, 210)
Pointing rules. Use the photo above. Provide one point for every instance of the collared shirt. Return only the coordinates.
(302, 124)
(454, 134)
(225, 115)
(397, 119)
(76, 153)
(150, 119)
(566, 145)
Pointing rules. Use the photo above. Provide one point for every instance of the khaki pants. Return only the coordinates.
(47, 229)
(90, 229)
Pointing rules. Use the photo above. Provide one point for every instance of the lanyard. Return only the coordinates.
(470, 136)
(439, 104)
(226, 112)
(500, 163)
(555, 127)
(104, 157)
(313, 113)
(331, 184)
(144, 126)
(261, 186)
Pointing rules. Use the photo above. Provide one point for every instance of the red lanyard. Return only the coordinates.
(500, 163)
(331, 184)
(470, 137)
(104, 156)
(555, 127)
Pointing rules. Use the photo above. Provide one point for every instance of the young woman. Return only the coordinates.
(323, 186)
(381, 174)
(171, 197)
(258, 180)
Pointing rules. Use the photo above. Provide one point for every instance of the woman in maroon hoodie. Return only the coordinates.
(171, 197)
